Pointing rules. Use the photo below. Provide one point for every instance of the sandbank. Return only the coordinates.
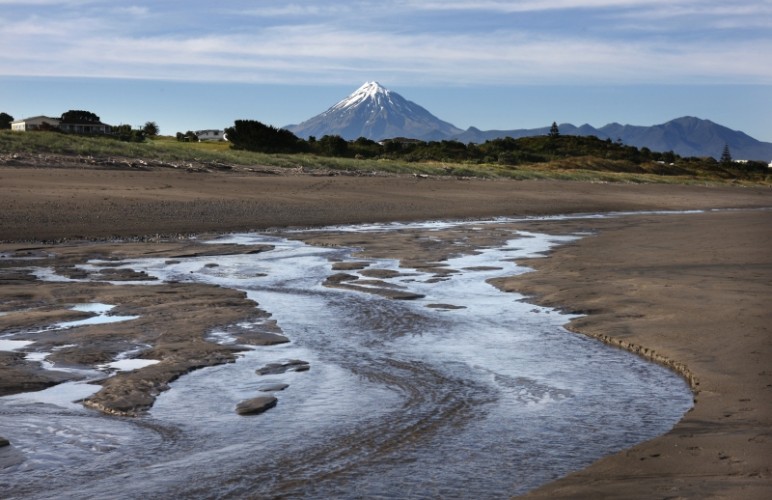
(689, 290)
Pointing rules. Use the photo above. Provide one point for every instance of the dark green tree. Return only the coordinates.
(5, 121)
(79, 116)
(190, 136)
(333, 145)
(150, 129)
(364, 148)
(554, 130)
(124, 132)
(255, 136)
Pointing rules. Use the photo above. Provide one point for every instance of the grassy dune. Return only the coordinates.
(167, 149)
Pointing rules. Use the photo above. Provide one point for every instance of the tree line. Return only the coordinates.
(253, 135)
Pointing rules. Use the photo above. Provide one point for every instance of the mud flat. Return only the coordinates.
(689, 290)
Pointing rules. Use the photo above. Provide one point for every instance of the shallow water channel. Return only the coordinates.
(465, 392)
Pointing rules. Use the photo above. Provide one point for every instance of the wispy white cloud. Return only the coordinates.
(535, 5)
(285, 54)
(69, 3)
(704, 15)
(758, 10)
(133, 10)
(295, 10)
(36, 30)
(325, 44)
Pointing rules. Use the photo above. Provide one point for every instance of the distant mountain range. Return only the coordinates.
(377, 113)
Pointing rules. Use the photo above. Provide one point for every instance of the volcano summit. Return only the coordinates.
(376, 113)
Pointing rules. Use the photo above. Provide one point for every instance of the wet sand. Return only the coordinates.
(691, 292)
(692, 288)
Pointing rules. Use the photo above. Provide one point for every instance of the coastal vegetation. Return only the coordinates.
(553, 156)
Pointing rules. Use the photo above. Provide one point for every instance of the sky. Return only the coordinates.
(492, 64)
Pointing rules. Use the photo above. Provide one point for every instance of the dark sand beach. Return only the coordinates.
(689, 290)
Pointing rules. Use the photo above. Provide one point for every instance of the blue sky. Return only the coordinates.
(486, 63)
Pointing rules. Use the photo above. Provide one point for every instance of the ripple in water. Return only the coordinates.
(464, 390)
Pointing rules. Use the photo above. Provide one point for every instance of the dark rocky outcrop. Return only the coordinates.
(349, 266)
(132, 393)
(256, 405)
(293, 365)
(380, 273)
(9, 455)
(273, 387)
(18, 375)
(262, 338)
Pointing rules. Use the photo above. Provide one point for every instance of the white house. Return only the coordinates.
(38, 122)
(210, 135)
(34, 123)
(85, 128)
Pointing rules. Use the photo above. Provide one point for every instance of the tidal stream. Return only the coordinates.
(464, 392)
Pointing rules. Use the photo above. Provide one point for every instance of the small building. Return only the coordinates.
(35, 123)
(210, 135)
(85, 128)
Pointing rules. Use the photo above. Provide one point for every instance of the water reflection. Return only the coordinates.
(465, 389)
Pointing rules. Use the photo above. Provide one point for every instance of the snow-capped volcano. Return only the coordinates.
(374, 112)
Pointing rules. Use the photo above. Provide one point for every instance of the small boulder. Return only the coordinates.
(4, 442)
(256, 405)
(294, 365)
(273, 387)
(262, 338)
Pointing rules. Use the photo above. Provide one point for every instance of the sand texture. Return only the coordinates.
(691, 292)
(688, 290)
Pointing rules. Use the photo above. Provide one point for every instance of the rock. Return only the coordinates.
(273, 387)
(339, 278)
(349, 266)
(9, 455)
(483, 268)
(256, 405)
(294, 365)
(262, 338)
(383, 292)
(380, 273)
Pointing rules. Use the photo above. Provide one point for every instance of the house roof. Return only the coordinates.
(34, 118)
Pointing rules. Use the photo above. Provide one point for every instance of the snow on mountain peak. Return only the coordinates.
(373, 111)
(369, 91)
(371, 88)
